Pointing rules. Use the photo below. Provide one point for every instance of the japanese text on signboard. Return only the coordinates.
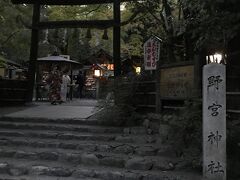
(151, 53)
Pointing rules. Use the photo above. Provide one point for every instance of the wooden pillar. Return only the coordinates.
(71, 82)
(33, 51)
(116, 38)
(158, 88)
(198, 65)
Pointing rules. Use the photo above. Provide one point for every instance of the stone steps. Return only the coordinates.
(60, 127)
(49, 171)
(33, 177)
(68, 121)
(82, 149)
(136, 162)
(89, 146)
(109, 137)
(57, 135)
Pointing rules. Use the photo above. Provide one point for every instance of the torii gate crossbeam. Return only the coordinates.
(66, 2)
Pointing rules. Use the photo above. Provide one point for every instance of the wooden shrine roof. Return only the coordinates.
(66, 2)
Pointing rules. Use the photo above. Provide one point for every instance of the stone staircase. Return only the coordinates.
(37, 149)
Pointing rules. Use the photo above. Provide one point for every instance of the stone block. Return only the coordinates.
(18, 171)
(38, 144)
(161, 177)
(4, 168)
(103, 148)
(166, 151)
(146, 123)
(132, 176)
(44, 135)
(67, 136)
(163, 165)
(48, 155)
(68, 146)
(7, 153)
(126, 130)
(139, 164)
(151, 139)
(4, 142)
(52, 144)
(112, 161)
(89, 159)
(164, 130)
(71, 157)
(87, 147)
(124, 139)
(83, 173)
(25, 155)
(110, 175)
(126, 149)
(20, 142)
(138, 130)
(146, 151)
(40, 170)
(60, 172)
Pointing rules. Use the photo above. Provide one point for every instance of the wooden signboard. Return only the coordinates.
(177, 82)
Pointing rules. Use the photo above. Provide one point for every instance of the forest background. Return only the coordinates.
(186, 26)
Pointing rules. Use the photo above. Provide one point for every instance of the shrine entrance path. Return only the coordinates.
(76, 109)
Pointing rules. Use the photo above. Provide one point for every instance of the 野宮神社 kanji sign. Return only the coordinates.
(151, 53)
(214, 122)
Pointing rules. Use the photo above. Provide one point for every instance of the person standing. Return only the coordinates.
(55, 80)
(80, 82)
(64, 86)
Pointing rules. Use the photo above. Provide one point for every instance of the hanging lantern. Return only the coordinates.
(88, 35)
(105, 35)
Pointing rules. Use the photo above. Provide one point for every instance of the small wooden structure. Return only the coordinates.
(9, 69)
(45, 65)
(101, 67)
(12, 84)
(101, 61)
(12, 92)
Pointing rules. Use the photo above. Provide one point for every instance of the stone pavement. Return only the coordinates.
(76, 109)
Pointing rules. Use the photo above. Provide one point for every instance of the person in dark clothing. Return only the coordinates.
(80, 82)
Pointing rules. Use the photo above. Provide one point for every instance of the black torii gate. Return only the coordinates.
(37, 25)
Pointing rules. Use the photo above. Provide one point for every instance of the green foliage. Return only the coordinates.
(79, 12)
(119, 115)
(186, 127)
(122, 112)
(203, 22)
(75, 43)
(210, 22)
(14, 38)
(189, 123)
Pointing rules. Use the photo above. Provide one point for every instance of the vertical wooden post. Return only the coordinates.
(116, 38)
(33, 51)
(71, 82)
(158, 88)
(116, 46)
(198, 65)
(158, 81)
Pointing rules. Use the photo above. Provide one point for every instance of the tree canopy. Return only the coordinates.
(184, 25)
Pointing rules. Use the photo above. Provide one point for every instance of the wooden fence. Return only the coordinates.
(13, 91)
